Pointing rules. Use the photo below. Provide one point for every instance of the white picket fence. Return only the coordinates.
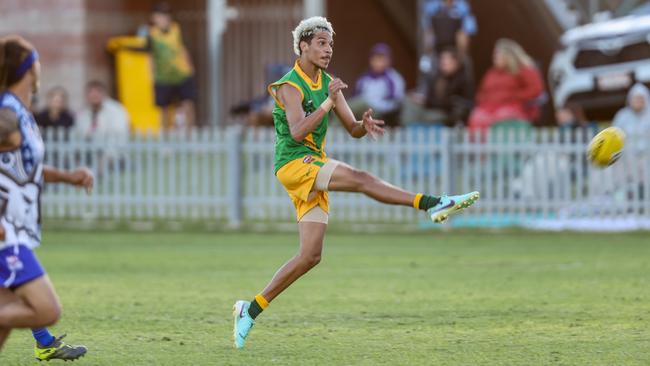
(536, 177)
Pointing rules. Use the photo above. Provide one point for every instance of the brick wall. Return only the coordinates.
(71, 36)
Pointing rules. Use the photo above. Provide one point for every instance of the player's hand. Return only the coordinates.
(374, 127)
(335, 88)
(82, 178)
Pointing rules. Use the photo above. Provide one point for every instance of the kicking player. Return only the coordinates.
(27, 297)
(303, 100)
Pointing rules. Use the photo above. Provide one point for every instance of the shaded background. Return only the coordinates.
(72, 34)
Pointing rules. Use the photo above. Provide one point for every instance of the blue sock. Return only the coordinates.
(43, 336)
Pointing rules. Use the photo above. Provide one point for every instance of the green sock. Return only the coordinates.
(258, 305)
(255, 309)
(426, 202)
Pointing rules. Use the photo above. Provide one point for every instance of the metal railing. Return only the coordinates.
(531, 177)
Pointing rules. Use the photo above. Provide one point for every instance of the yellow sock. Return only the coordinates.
(416, 201)
(261, 301)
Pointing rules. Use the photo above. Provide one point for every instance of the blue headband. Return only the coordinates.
(27, 64)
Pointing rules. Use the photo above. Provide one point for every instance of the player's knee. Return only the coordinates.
(365, 179)
(310, 260)
(48, 315)
(361, 178)
(314, 260)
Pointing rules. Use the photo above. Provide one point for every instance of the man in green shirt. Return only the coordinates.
(303, 100)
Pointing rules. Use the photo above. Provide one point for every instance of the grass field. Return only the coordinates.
(434, 299)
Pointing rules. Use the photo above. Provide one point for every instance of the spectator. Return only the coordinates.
(380, 88)
(448, 24)
(635, 118)
(448, 94)
(56, 114)
(545, 171)
(173, 70)
(258, 112)
(103, 121)
(451, 90)
(511, 89)
(571, 117)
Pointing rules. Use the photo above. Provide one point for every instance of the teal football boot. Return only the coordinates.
(243, 322)
(451, 204)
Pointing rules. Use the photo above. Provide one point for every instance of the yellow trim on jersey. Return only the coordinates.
(272, 90)
(310, 140)
(313, 86)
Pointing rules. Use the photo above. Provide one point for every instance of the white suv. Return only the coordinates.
(598, 62)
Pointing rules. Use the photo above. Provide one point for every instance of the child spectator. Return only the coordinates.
(380, 88)
(635, 118)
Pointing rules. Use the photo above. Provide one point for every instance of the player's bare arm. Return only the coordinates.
(299, 124)
(81, 177)
(356, 129)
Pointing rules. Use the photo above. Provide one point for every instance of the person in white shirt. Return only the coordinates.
(104, 121)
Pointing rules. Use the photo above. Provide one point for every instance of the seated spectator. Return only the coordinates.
(511, 89)
(570, 118)
(104, 120)
(258, 112)
(56, 114)
(380, 88)
(448, 96)
(635, 118)
(448, 24)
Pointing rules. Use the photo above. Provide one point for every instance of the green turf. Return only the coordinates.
(435, 299)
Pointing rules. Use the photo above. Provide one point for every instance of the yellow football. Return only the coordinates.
(606, 147)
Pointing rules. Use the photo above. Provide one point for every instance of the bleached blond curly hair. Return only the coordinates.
(308, 27)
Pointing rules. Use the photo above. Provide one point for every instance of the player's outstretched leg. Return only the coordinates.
(348, 179)
(312, 235)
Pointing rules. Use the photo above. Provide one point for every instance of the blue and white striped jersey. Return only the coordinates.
(21, 180)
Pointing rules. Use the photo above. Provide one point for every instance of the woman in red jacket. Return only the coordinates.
(509, 89)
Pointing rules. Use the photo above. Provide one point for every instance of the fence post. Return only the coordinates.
(234, 171)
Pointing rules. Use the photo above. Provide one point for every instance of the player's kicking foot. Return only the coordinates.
(451, 204)
(243, 322)
(59, 350)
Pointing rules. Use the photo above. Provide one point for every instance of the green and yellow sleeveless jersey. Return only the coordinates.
(313, 94)
(168, 54)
